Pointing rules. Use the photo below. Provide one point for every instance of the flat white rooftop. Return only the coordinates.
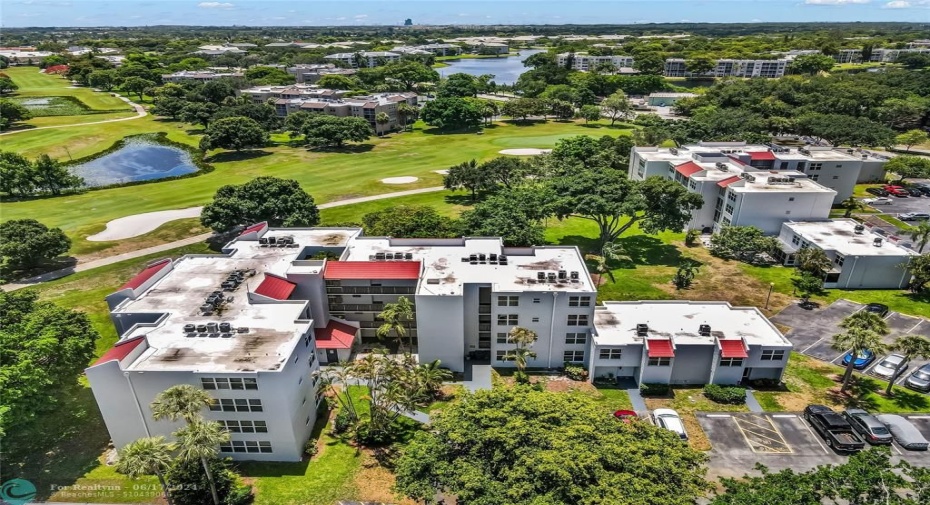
(615, 323)
(446, 267)
(840, 235)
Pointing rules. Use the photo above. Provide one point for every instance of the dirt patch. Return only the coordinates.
(374, 482)
(793, 402)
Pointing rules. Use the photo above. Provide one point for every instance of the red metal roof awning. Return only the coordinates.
(761, 155)
(732, 348)
(344, 270)
(729, 180)
(275, 287)
(660, 348)
(688, 169)
(335, 335)
(146, 274)
(120, 350)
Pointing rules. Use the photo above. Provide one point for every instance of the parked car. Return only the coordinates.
(914, 216)
(919, 379)
(896, 191)
(914, 191)
(670, 420)
(868, 427)
(876, 191)
(878, 201)
(834, 428)
(922, 186)
(626, 415)
(887, 367)
(877, 308)
(904, 432)
(861, 360)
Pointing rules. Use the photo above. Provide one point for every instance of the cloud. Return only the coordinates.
(907, 4)
(215, 5)
(897, 5)
(361, 16)
(836, 2)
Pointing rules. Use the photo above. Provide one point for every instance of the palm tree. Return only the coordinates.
(489, 110)
(611, 251)
(524, 338)
(813, 261)
(200, 440)
(911, 346)
(851, 205)
(395, 317)
(147, 456)
(180, 402)
(430, 377)
(865, 320)
(856, 340)
(382, 119)
(405, 112)
(921, 235)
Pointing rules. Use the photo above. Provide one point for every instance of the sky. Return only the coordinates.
(19, 13)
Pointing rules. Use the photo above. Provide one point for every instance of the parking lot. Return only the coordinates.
(811, 331)
(781, 441)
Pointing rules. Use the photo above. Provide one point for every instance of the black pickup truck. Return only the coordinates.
(834, 428)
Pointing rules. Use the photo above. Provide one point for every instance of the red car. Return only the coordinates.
(897, 191)
(626, 415)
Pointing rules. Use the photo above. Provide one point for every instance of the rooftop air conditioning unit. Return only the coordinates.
(673, 151)
(704, 330)
(859, 229)
(877, 242)
(642, 329)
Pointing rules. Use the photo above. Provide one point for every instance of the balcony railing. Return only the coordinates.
(370, 290)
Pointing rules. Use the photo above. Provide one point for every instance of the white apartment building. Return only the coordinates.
(677, 67)
(436, 49)
(861, 259)
(262, 94)
(586, 62)
(312, 73)
(683, 342)
(200, 76)
(367, 107)
(734, 192)
(369, 59)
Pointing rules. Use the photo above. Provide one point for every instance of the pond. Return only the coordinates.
(505, 70)
(137, 160)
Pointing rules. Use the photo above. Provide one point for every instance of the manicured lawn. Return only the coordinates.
(895, 221)
(34, 84)
(808, 380)
(326, 175)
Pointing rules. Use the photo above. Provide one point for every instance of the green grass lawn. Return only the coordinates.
(325, 175)
(895, 222)
(34, 84)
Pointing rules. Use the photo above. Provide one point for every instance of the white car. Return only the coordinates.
(670, 420)
(886, 367)
(914, 216)
(879, 201)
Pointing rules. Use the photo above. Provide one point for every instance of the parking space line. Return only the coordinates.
(717, 415)
(759, 438)
(893, 446)
(910, 331)
(804, 351)
(816, 437)
(784, 415)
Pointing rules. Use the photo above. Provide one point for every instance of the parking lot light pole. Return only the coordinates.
(769, 297)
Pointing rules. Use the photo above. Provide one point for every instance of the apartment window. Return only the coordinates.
(502, 338)
(839, 165)
(783, 166)
(245, 426)
(692, 185)
(726, 221)
(573, 356)
(659, 362)
(508, 319)
(838, 260)
(610, 353)
(501, 355)
(228, 383)
(729, 209)
(576, 338)
(731, 196)
(787, 212)
(796, 240)
(236, 405)
(508, 301)
(731, 361)
(641, 168)
(307, 422)
(246, 446)
(579, 301)
(815, 177)
(307, 340)
(535, 319)
(816, 166)
(801, 166)
(772, 355)
(791, 199)
(578, 320)
(835, 177)
(536, 300)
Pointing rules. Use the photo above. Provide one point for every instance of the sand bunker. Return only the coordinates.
(399, 180)
(140, 224)
(529, 151)
(441, 172)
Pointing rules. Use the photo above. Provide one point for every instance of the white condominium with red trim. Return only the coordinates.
(759, 185)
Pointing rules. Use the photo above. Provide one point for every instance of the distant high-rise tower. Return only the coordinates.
(408, 22)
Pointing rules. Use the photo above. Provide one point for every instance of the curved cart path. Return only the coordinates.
(140, 112)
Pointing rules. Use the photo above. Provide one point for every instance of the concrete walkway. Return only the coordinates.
(140, 112)
(479, 378)
(752, 403)
(636, 399)
(416, 415)
(89, 265)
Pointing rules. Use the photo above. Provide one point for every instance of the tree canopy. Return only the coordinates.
(520, 446)
(409, 221)
(236, 133)
(280, 202)
(453, 113)
(26, 243)
(322, 130)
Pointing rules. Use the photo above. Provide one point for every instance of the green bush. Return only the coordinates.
(764, 383)
(576, 372)
(653, 389)
(343, 421)
(310, 448)
(734, 395)
(520, 377)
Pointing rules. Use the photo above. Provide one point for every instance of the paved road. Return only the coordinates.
(140, 112)
(89, 265)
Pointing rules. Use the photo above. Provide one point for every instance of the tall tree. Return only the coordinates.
(235, 133)
(453, 113)
(468, 175)
(921, 235)
(514, 214)
(280, 202)
(811, 64)
(743, 243)
(459, 85)
(909, 167)
(864, 332)
(11, 112)
(406, 112)
(813, 260)
(181, 402)
(589, 113)
(851, 205)
(920, 272)
(27, 243)
(7, 85)
(137, 85)
(147, 456)
(321, 130)
(17, 174)
(198, 113)
(617, 106)
(396, 317)
(51, 176)
(523, 338)
(912, 138)
(911, 347)
(409, 221)
(200, 440)
(382, 119)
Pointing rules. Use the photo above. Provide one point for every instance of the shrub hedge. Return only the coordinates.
(653, 389)
(734, 395)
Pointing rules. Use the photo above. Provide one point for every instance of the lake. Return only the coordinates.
(137, 160)
(505, 70)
